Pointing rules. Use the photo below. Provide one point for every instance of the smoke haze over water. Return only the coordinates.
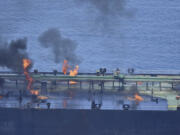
(11, 54)
(62, 48)
(107, 7)
(107, 37)
(107, 13)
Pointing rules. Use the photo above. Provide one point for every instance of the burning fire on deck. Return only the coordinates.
(136, 97)
(34, 92)
(73, 72)
(26, 64)
(65, 67)
(42, 97)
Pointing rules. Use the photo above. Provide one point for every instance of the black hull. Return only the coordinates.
(88, 122)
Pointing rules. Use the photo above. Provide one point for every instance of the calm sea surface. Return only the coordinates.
(146, 36)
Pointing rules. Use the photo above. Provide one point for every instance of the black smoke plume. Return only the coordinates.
(12, 54)
(63, 48)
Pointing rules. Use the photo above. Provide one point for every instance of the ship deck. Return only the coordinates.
(108, 89)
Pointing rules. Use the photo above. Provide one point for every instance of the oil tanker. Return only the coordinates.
(89, 104)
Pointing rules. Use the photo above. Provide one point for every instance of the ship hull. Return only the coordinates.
(88, 122)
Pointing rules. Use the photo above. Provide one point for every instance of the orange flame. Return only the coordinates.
(65, 67)
(42, 97)
(136, 98)
(26, 64)
(34, 92)
(74, 73)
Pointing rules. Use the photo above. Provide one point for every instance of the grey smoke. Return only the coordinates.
(62, 48)
(107, 7)
(107, 14)
(12, 54)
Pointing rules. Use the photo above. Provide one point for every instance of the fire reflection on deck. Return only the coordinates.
(85, 100)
